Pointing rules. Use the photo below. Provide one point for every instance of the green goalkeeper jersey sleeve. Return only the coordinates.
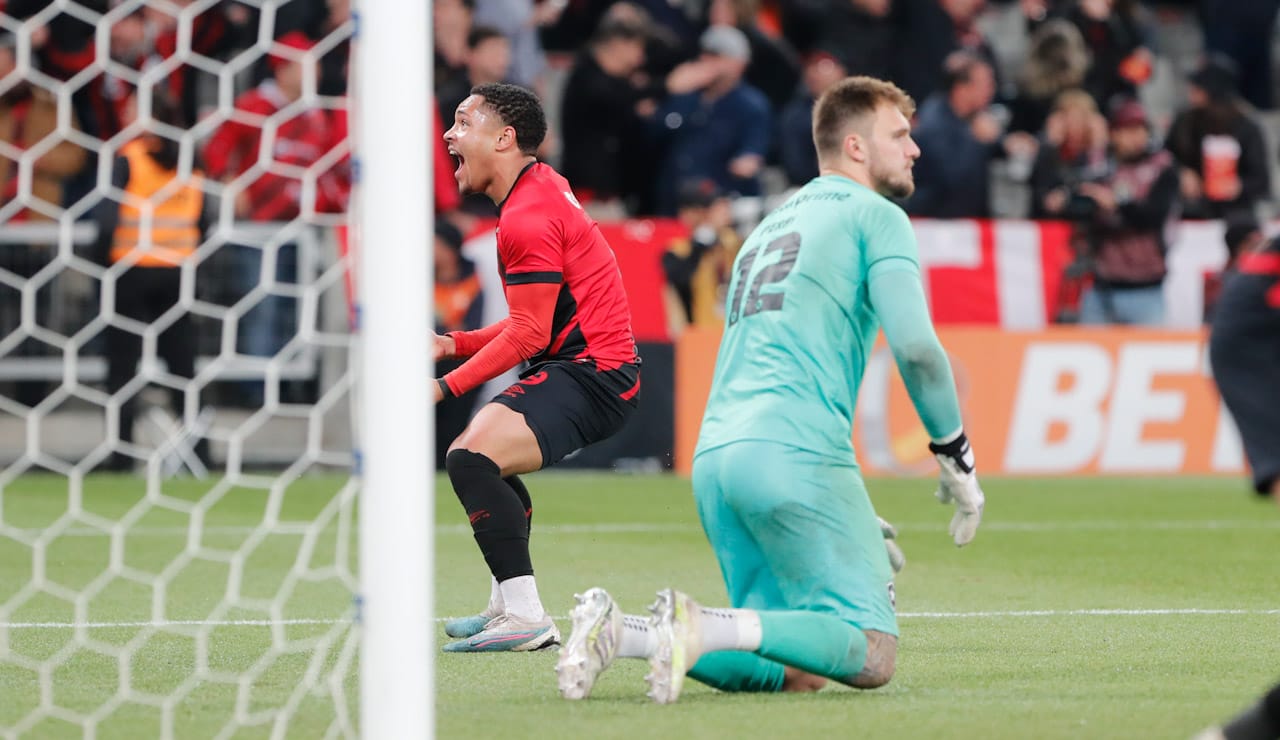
(801, 318)
(897, 296)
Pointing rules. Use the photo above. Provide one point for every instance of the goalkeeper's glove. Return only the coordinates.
(958, 484)
(897, 560)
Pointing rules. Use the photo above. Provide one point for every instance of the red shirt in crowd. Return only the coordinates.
(275, 194)
(333, 186)
(562, 284)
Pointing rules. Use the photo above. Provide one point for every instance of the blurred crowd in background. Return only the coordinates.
(1120, 117)
(104, 104)
(143, 47)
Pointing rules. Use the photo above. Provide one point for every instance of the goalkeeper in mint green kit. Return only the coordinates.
(774, 475)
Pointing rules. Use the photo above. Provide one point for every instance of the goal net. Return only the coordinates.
(178, 529)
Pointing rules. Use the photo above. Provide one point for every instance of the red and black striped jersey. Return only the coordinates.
(544, 236)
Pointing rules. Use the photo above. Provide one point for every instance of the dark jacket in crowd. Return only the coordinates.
(1110, 42)
(703, 136)
(952, 173)
(931, 36)
(1128, 245)
(774, 69)
(1242, 29)
(1054, 168)
(1186, 139)
(866, 43)
(602, 133)
(795, 140)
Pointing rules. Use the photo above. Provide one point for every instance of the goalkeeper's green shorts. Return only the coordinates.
(793, 531)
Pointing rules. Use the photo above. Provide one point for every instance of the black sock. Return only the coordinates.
(496, 513)
(1259, 722)
(517, 485)
(1271, 705)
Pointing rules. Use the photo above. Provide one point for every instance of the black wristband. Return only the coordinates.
(445, 390)
(957, 449)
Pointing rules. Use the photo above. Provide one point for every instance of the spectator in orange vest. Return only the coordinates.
(146, 236)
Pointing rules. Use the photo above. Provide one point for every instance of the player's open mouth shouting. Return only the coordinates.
(461, 161)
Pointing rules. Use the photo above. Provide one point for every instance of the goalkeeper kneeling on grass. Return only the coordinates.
(775, 478)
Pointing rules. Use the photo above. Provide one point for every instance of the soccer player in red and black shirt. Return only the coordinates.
(1244, 352)
(569, 318)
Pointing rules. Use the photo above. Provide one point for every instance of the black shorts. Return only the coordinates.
(1244, 351)
(570, 405)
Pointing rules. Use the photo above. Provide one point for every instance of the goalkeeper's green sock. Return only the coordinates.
(730, 671)
(815, 643)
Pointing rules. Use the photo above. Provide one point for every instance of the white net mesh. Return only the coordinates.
(204, 589)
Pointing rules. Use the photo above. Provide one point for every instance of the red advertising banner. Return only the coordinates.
(997, 273)
(639, 246)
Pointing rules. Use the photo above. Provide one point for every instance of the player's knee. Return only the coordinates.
(876, 675)
(463, 466)
(462, 443)
(882, 660)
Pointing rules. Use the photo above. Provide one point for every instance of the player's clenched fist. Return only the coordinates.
(442, 347)
(958, 484)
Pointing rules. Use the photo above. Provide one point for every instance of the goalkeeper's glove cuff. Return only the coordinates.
(958, 450)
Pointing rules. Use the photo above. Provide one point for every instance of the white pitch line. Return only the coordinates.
(1177, 525)
(286, 528)
(603, 528)
(1087, 613)
(301, 528)
(165, 623)
(1014, 614)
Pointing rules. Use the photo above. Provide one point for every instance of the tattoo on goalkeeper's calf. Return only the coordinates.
(882, 657)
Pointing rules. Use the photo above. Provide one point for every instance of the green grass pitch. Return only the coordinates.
(1099, 608)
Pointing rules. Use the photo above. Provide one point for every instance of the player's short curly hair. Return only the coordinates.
(848, 100)
(518, 108)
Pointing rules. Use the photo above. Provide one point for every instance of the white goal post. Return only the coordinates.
(257, 567)
(396, 513)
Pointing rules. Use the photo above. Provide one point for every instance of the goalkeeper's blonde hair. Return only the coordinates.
(852, 102)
